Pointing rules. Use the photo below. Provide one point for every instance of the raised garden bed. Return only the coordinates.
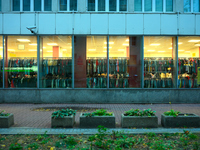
(181, 120)
(6, 121)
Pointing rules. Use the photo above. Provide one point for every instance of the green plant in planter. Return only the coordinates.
(4, 114)
(99, 112)
(62, 113)
(138, 112)
(171, 113)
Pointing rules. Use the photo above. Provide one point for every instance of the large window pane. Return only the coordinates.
(26, 5)
(123, 5)
(21, 62)
(1, 62)
(101, 5)
(159, 5)
(147, 5)
(73, 5)
(189, 62)
(196, 5)
(112, 5)
(37, 5)
(47, 5)
(0, 5)
(63, 5)
(159, 62)
(16, 5)
(138, 5)
(125, 61)
(187, 5)
(90, 62)
(91, 5)
(56, 61)
(169, 5)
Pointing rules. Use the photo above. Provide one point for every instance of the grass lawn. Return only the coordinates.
(105, 139)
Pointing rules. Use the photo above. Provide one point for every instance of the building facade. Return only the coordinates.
(100, 51)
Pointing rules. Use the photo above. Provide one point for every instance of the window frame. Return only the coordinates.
(68, 7)
(154, 7)
(107, 6)
(191, 7)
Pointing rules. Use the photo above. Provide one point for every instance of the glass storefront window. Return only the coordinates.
(56, 61)
(189, 62)
(1, 62)
(20, 62)
(125, 61)
(16, 5)
(112, 5)
(159, 62)
(91, 5)
(37, 5)
(47, 5)
(26, 5)
(90, 62)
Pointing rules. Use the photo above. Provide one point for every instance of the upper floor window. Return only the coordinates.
(31, 5)
(68, 5)
(191, 5)
(107, 5)
(153, 5)
(0, 5)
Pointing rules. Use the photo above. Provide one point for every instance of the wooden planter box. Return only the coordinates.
(139, 121)
(6, 121)
(95, 121)
(190, 120)
(66, 122)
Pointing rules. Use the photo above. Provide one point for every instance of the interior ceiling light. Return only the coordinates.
(187, 51)
(44, 47)
(32, 50)
(170, 48)
(125, 44)
(109, 42)
(127, 40)
(181, 50)
(194, 41)
(104, 51)
(11, 50)
(91, 49)
(64, 49)
(52, 44)
(33, 44)
(49, 51)
(23, 40)
(161, 51)
(197, 45)
(109, 47)
(180, 43)
(155, 44)
(120, 49)
(1, 47)
(150, 50)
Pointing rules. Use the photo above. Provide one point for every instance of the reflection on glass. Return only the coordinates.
(112, 5)
(56, 61)
(169, 5)
(1, 62)
(37, 5)
(196, 6)
(159, 62)
(91, 5)
(147, 5)
(63, 5)
(16, 5)
(159, 5)
(26, 5)
(123, 5)
(138, 5)
(124, 62)
(47, 5)
(21, 62)
(189, 62)
(73, 5)
(101, 5)
(187, 5)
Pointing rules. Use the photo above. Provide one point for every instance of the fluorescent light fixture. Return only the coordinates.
(120, 49)
(197, 45)
(155, 44)
(109, 47)
(23, 40)
(32, 50)
(194, 41)
(144, 47)
(161, 51)
(170, 48)
(104, 51)
(125, 44)
(44, 47)
(151, 50)
(52, 44)
(64, 49)
(181, 50)
(49, 51)
(91, 49)
(33, 44)
(187, 51)
(1, 47)
(11, 50)
(127, 40)
(180, 43)
(109, 42)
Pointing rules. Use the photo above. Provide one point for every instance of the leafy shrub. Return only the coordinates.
(137, 112)
(99, 112)
(62, 113)
(15, 146)
(171, 113)
(4, 114)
